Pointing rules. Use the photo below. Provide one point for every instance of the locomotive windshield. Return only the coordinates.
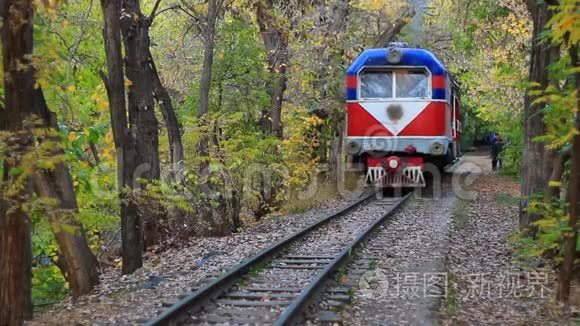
(399, 83)
(376, 84)
(411, 83)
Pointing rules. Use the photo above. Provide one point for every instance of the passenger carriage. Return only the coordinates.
(403, 114)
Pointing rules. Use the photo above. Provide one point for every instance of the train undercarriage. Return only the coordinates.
(399, 170)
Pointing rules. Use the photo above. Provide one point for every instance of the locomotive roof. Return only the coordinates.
(410, 57)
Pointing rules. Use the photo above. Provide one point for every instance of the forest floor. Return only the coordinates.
(463, 235)
(487, 284)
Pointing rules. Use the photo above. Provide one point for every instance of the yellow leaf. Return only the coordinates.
(102, 105)
(65, 23)
(128, 82)
(71, 89)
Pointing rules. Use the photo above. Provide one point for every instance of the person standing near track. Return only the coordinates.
(496, 149)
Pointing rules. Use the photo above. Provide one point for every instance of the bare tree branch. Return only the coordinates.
(167, 9)
(154, 11)
(389, 34)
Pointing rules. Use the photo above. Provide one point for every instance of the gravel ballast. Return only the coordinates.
(403, 282)
(326, 241)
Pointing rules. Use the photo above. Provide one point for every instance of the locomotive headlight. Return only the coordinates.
(353, 147)
(437, 148)
(394, 56)
(393, 163)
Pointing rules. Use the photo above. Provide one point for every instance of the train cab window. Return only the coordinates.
(376, 84)
(411, 83)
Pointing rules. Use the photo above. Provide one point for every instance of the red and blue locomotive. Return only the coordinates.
(403, 112)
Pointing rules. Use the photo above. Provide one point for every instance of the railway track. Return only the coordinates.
(277, 285)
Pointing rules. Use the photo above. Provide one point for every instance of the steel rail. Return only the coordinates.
(293, 313)
(195, 301)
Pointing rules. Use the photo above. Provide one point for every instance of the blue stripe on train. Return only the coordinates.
(410, 57)
(439, 94)
(351, 94)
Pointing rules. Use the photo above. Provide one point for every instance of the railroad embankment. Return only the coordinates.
(131, 299)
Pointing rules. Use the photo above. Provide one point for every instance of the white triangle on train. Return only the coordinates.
(410, 110)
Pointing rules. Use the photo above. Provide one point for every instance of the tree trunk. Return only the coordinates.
(557, 171)
(279, 88)
(204, 89)
(336, 23)
(57, 184)
(131, 230)
(81, 264)
(81, 272)
(173, 130)
(15, 262)
(276, 44)
(567, 270)
(337, 157)
(202, 112)
(143, 123)
(209, 39)
(534, 177)
(15, 245)
(142, 119)
(232, 200)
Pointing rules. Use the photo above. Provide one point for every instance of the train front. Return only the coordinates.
(399, 115)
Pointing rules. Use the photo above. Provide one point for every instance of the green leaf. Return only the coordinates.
(15, 171)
